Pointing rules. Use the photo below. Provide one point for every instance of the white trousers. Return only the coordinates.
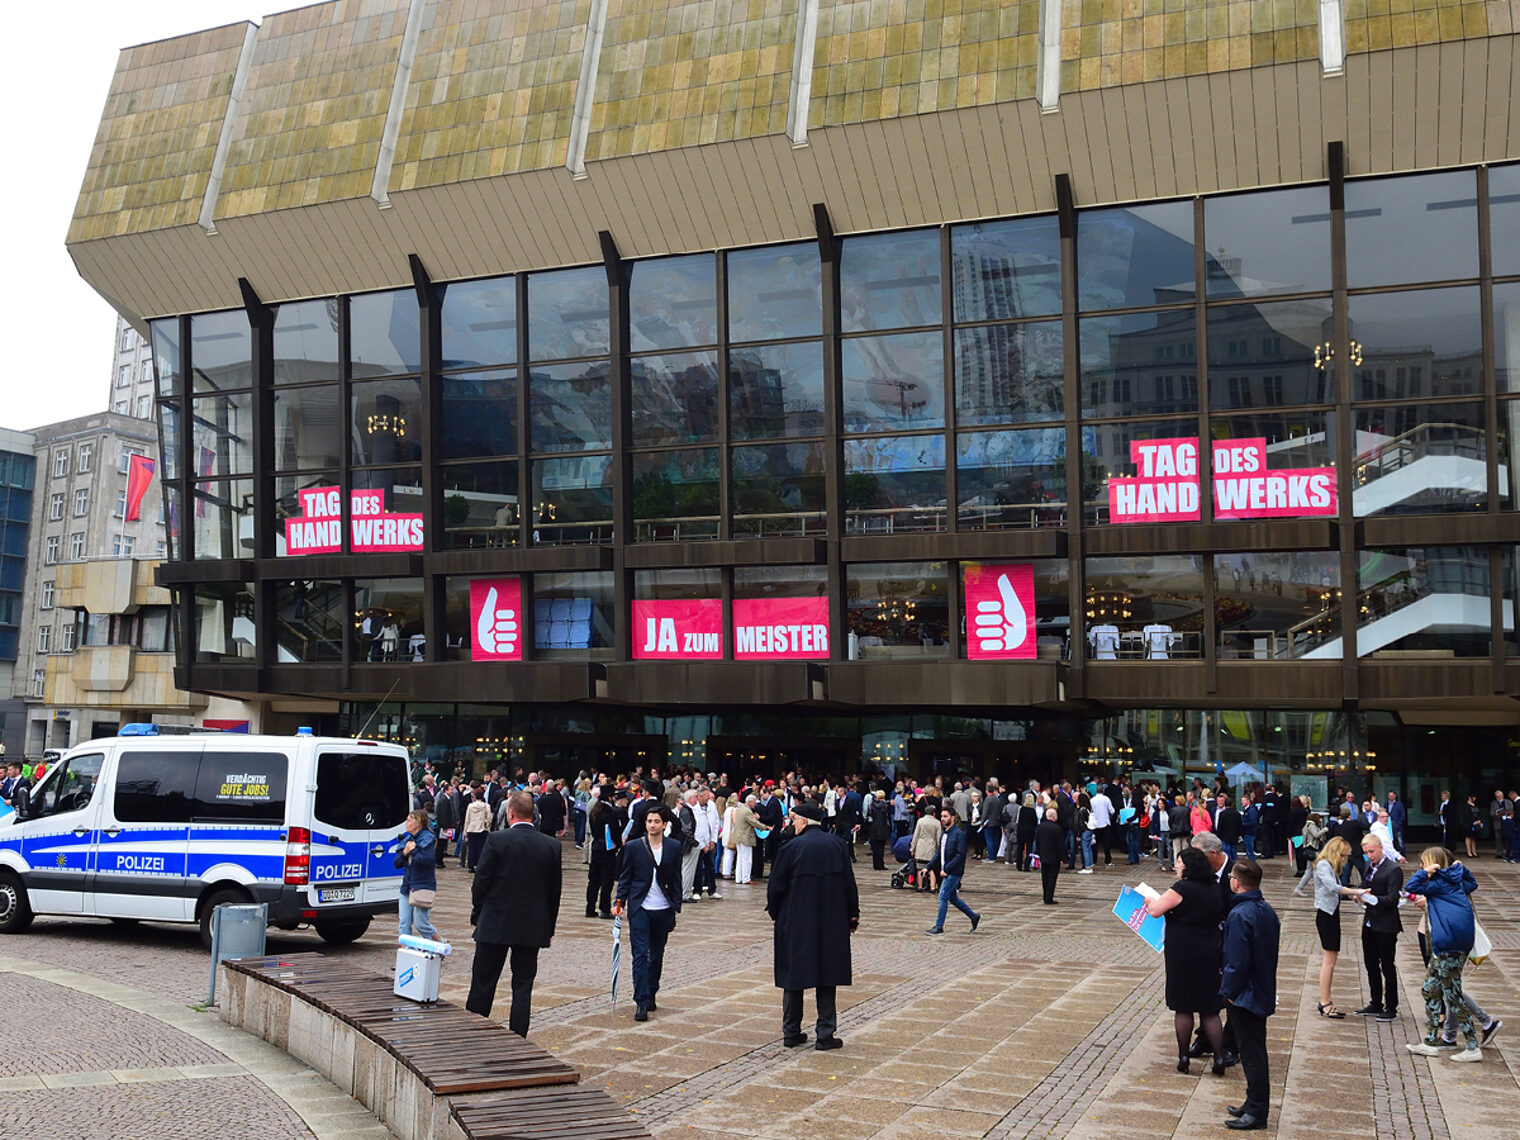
(728, 862)
(744, 861)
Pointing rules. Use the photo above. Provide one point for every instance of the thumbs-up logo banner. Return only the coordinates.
(1000, 612)
(496, 625)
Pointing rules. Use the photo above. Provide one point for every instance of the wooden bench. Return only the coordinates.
(428, 1072)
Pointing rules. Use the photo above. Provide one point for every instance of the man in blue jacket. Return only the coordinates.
(1398, 816)
(1249, 986)
(951, 865)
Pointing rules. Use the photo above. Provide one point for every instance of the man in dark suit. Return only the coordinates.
(950, 862)
(768, 812)
(1398, 817)
(1227, 824)
(1049, 845)
(1270, 832)
(551, 810)
(515, 903)
(604, 831)
(649, 891)
(816, 907)
(1380, 929)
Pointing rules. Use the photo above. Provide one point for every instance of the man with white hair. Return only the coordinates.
(708, 827)
(692, 853)
(745, 822)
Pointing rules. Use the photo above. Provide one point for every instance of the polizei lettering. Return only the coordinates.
(335, 872)
(139, 862)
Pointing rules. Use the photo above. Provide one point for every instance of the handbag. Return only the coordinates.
(423, 898)
(1481, 948)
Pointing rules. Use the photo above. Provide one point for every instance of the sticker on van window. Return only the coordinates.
(244, 787)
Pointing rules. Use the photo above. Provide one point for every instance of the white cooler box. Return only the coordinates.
(417, 975)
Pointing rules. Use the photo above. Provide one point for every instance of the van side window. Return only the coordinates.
(71, 788)
(361, 791)
(155, 787)
(241, 787)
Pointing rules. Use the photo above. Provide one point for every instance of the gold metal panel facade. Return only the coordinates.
(1376, 25)
(152, 155)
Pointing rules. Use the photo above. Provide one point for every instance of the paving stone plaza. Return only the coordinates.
(1049, 1021)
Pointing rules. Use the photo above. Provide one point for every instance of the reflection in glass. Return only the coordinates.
(1272, 606)
(289, 505)
(1105, 452)
(897, 609)
(1507, 336)
(684, 584)
(401, 488)
(778, 489)
(675, 398)
(1008, 479)
(1268, 241)
(1006, 269)
(224, 628)
(385, 334)
(1264, 356)
(894, 381)
(168, 441)
(308, 428)
(1142, 255)
(1422, 343)
(1293, 439)
(164, 337)
(480, 505)
(224, 519)
(306, 341)
(1421, 458)
(221, 434)
(1144, 608)
(570, 407)
(889, 281)
(1504, 218)
(675, 495)
(774, 293)
(389, 625)
(1052, 607)
(781, 582)
(1141, 364)
(479, 414)
(673, 303)
(172, 518)
(221, 349)
(1009, 373)
(1421, 227)
(568, 314)
(776, 391)
(479, 322)
(894, 484)
(387, 421)
(574, 615)
(1431, 600)
(572, 500)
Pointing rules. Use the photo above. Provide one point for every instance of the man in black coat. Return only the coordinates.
(813, 899)
(649, 890)
(604, 831)
(446, 817)
(551, 810)
(768, 812)
(515, 903)
(1271, 837)
(1380, 929)
(1227, 824)
(1049, 843)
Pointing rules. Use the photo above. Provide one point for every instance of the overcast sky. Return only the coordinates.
(56, 63)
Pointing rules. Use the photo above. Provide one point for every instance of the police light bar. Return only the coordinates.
(137, 728)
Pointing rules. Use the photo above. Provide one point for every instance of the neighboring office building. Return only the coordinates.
(17, 466)
(132, 387)
(868, 306)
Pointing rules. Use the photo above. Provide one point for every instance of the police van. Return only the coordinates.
(165, 828)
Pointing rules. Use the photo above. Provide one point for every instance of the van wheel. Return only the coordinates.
(342, 933)
(214, 900)
(15, 910)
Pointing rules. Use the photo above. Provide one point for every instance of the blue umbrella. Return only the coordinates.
(617, 954)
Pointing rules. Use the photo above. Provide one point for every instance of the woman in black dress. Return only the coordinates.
(1194, 908)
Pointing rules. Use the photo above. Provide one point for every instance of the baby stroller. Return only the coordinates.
(902, 851)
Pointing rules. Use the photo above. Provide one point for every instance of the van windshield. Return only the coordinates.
(361, 791)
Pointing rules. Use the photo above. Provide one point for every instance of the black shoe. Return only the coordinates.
(823, 1044)
(1370, 1010)
(1246, 1123)
(1229, 1059)
(591, 914)
(1182, 1063)
(640, 1013)
(651, 1007)
(1236, 1111)
(1199, 1048)
(1221, 1064)
(793, 1042)
(975, 920)
(935, 930)
(1388, 1015)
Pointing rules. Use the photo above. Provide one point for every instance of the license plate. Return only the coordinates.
(336, 894)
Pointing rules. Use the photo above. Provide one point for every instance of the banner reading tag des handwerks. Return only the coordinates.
(685, 629)
(781, 629)
(1000, 612)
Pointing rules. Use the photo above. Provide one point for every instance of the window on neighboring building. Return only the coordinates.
(147, 371)
(145, 407)
(126, 459)
(126, 337)
(55, 507)
(66, 639)
(52, 550)
(44, 638)
(47, 594)
(124, 376)
(120, 511)
(86, 458)
(81, 503)
(121, 545)
(76, 545)
(121, 406)
(60, 463)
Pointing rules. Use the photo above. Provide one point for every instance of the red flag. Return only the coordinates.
(139, 475)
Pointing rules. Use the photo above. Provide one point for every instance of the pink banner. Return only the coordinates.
(781, 629)
(496, 619)
(1000, 612)
(1245, 489)
(318, 529)
(1166, 488)
(677, 630)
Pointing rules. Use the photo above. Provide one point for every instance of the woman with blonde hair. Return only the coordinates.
(1328, 893)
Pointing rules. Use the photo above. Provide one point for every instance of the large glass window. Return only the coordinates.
(574, 615)
(1009, 479)
(221, 433)
(1270, 241)
(1009, 373)
(389, 625)
(1139, 608)
(568, 314)
(1418, 458)
(387, 421)
(897, 609)
(384, 333)
(1273, 606)
(1142, 255)
(306, 341)
(400, 494)
(774, 293)
(479, 322)
(292, 498)
(778, 489)
(1006, 269)
(480, 505)
(776, 391)
(166, 359)
(781, 582)
(308, 428)
(479, 414)
(675, 494)
(1507, 336)
(570, 406)
(1430, 601)
(1417, 344)
(1140, 364)
(1504, 218)
(894, 382)
(675, 398)
(1421, 227)
(894, 484)
(224, 626)
(1268, 355)
(1105, 453)
(1052, 602)
(673, 303)
(221, 349)
(889, 281)
(224, 518)
(572, 500)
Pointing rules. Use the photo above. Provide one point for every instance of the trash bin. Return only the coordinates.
(237, 931)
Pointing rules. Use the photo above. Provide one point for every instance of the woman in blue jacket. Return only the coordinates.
(1445, 884)
(418, 853)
